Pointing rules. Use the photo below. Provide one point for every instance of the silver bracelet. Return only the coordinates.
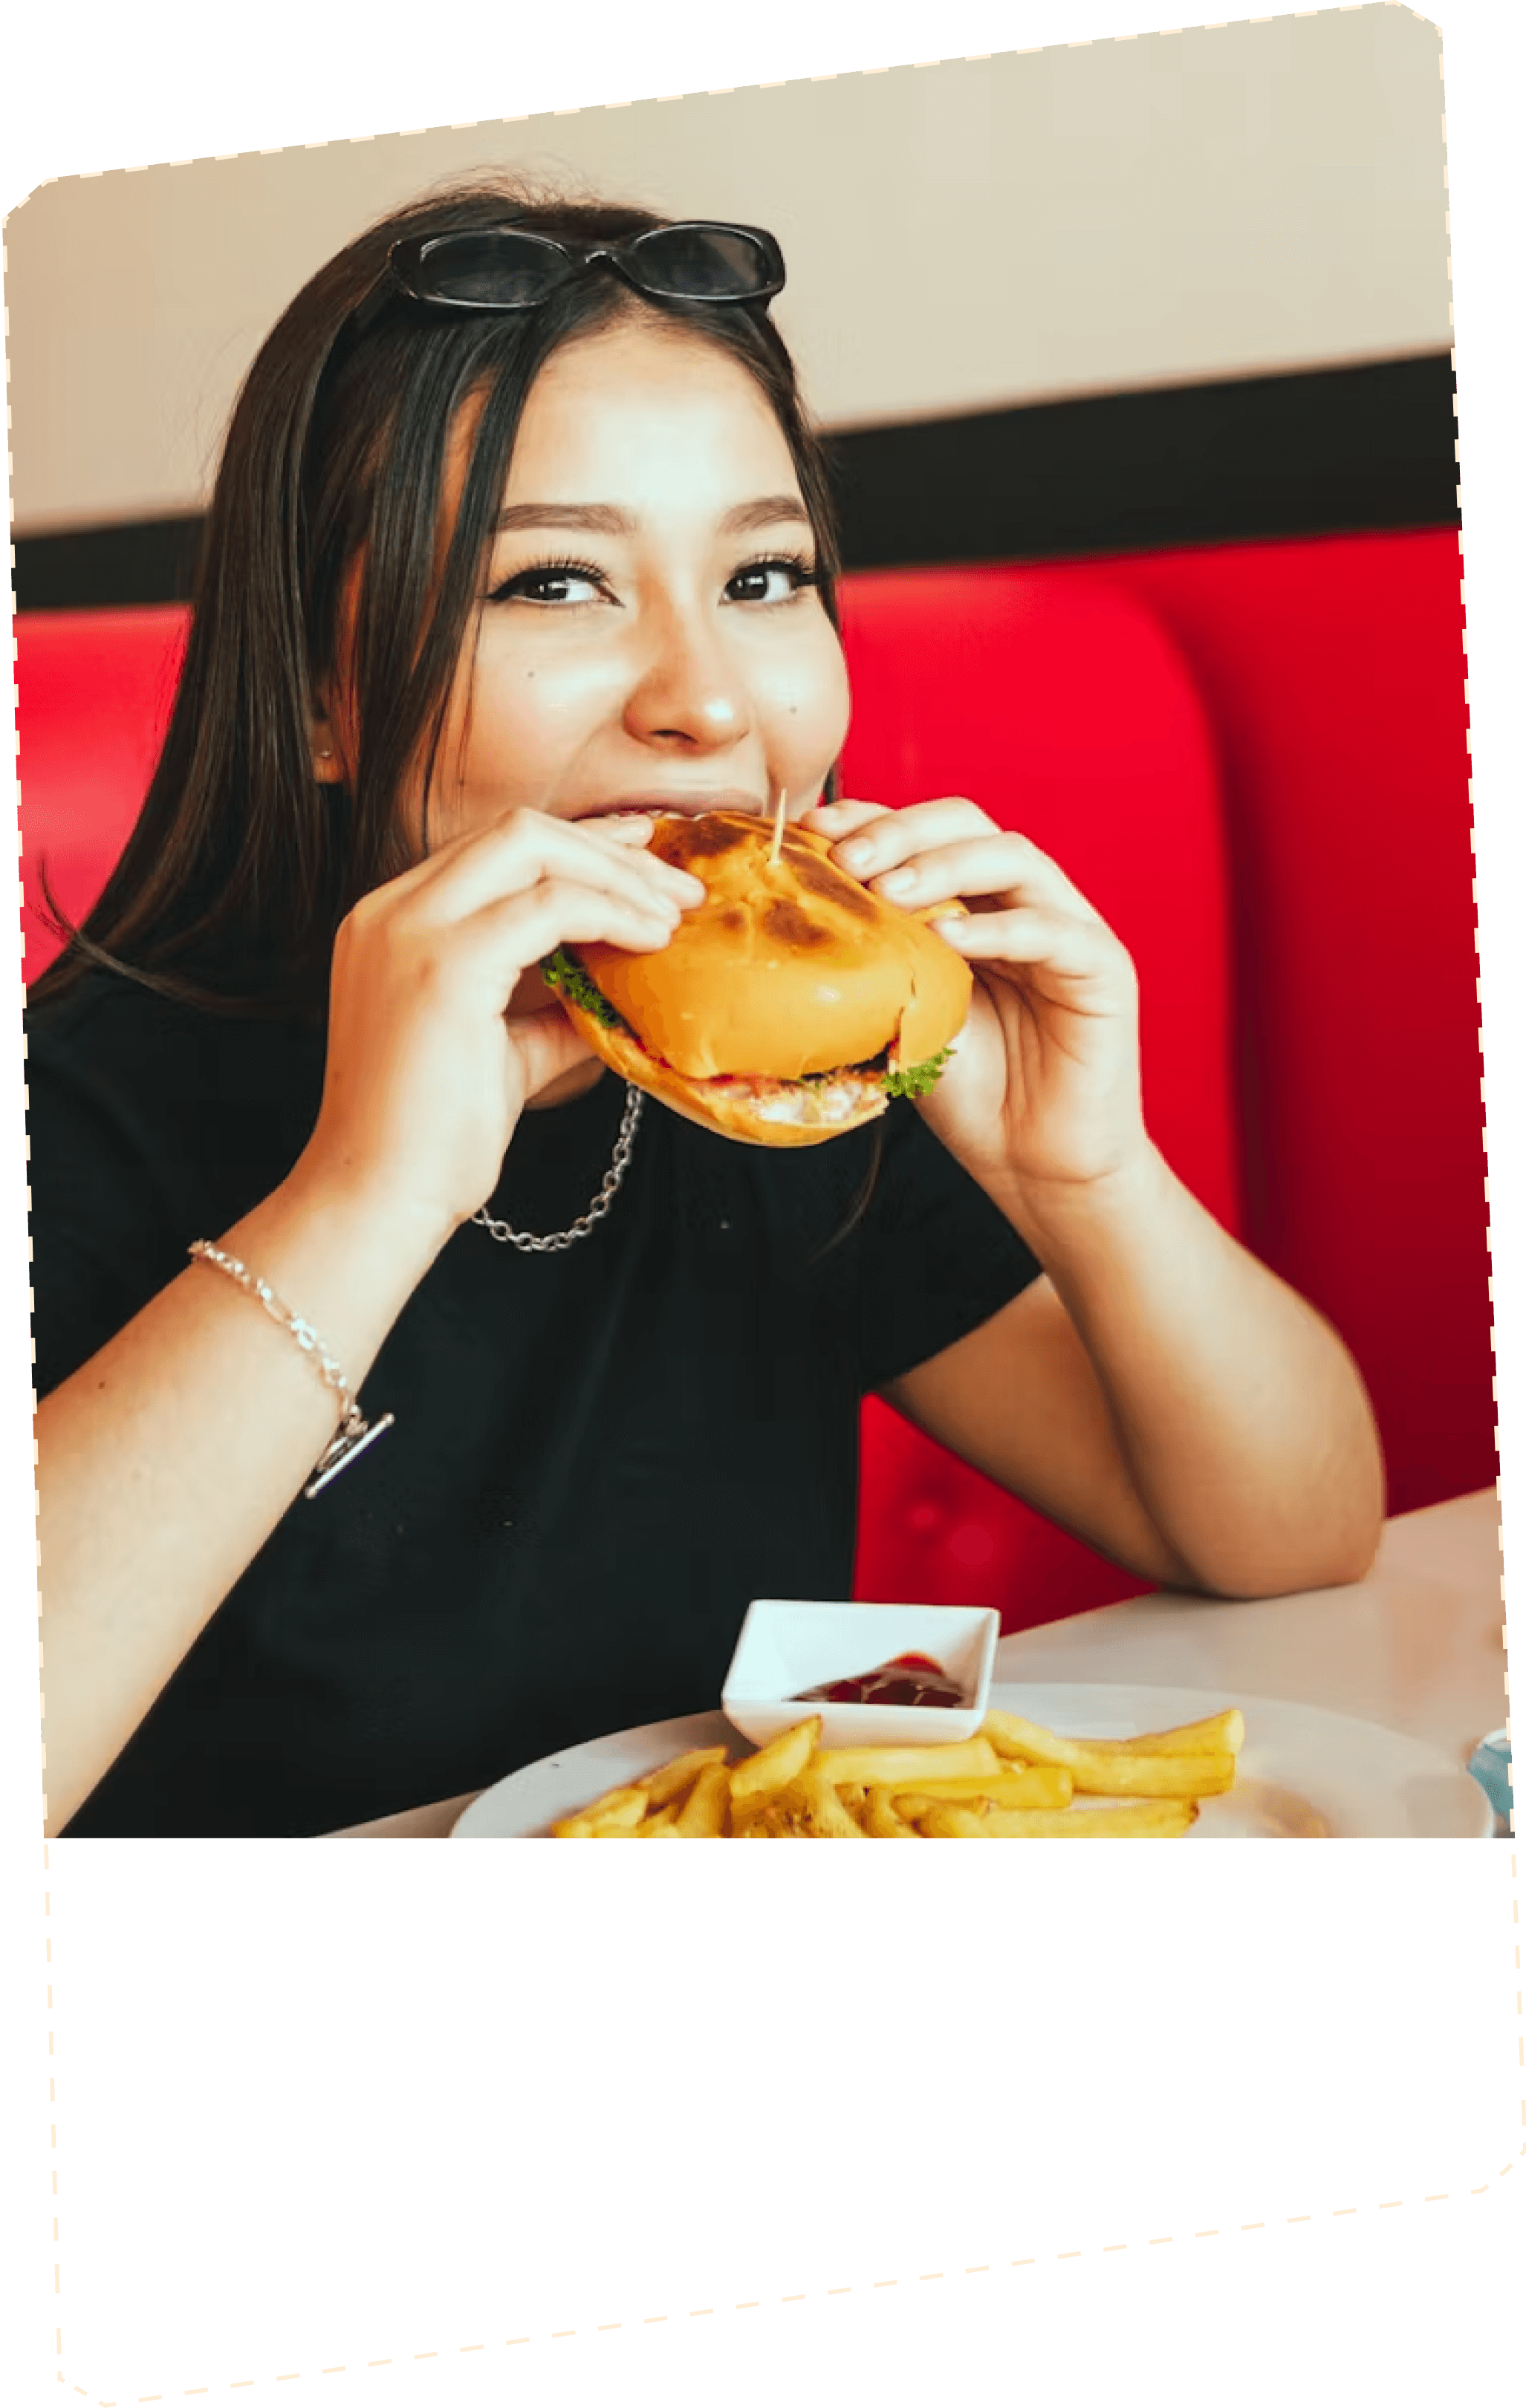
(354, 1433)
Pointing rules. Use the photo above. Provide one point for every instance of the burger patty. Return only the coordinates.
(810, 1103)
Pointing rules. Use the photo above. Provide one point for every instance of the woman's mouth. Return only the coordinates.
(719, 799)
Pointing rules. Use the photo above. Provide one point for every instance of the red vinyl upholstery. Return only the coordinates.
(1064, 710)
(1333, 672)
(95, 690)
(1253, 761)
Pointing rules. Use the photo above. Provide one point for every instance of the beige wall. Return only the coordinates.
(1159, 210)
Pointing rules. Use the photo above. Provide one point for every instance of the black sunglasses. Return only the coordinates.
(502, 267)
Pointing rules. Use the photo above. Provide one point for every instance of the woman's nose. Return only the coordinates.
(690, 692)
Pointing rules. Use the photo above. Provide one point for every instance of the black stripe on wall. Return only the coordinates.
(1326, 451)
(1336, 449)
(108, 568)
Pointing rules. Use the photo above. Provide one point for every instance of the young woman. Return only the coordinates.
(520, 536)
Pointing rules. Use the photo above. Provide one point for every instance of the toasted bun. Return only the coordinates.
(787, 969)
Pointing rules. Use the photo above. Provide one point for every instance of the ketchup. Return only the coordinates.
(905, 1680)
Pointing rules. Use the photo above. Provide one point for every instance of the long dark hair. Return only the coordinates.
(241, 864)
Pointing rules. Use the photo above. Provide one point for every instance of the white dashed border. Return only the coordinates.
(660, 99)
(788, 2298)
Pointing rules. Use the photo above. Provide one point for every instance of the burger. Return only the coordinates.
(790, 1006)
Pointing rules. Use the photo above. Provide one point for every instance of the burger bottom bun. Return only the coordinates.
(725, 1108)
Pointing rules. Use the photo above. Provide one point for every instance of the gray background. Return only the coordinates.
(325, 2106)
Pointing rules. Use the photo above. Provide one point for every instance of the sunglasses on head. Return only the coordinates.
(505, 267)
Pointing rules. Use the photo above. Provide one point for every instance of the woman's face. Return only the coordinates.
(650, 636)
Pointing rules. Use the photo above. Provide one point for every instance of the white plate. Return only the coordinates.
(1304, 1774)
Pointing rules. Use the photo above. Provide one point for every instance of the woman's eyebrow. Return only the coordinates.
(593, 518)
(603, 518)
(769, 511)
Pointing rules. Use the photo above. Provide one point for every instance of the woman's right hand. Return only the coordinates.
(426, 1074)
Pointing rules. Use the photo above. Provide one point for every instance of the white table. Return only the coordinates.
(1418, 1644)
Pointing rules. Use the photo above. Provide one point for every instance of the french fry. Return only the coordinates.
(829, 1816)
(1011, 1736)
(1152, 1776)
(660, 1825)
(1217, 1735)
(675, 1779)
(1167, 1818)
(881, 1820)
(1100, 1769)
(916, 1809)
(1164, 1818)
(942, 1820)
(618, 1810)
(702, 1815)
(1036, 1785)
(808, 1808)
(782, 1761)
(883, 1768)
(779, 1815)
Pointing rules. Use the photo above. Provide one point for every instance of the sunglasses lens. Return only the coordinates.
(702, 263)
(502, 267)
(494, 270)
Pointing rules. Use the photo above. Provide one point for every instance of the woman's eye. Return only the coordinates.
(770, 581)
(553, 582)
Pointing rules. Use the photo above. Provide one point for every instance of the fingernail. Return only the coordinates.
(856, 854)
(895, 882)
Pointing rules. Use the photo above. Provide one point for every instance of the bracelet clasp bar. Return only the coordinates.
(342, 1449)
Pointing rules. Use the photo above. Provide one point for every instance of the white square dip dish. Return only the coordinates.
(786, 1646)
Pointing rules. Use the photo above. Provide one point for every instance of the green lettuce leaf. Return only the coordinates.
(919, 1078)
(566, 973)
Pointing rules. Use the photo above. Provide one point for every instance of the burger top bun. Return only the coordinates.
(787, 968)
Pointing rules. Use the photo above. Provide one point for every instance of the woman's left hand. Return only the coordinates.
(1043, 1090)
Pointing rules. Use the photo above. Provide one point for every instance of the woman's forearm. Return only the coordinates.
(1242, 1417)
(164, 1463)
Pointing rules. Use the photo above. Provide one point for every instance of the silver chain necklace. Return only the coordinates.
(597, 1210)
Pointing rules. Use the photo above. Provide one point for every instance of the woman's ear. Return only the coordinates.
(327, 762)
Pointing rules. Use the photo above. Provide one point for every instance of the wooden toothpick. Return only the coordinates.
(776, 847)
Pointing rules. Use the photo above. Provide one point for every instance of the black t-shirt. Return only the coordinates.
(600, 1456)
